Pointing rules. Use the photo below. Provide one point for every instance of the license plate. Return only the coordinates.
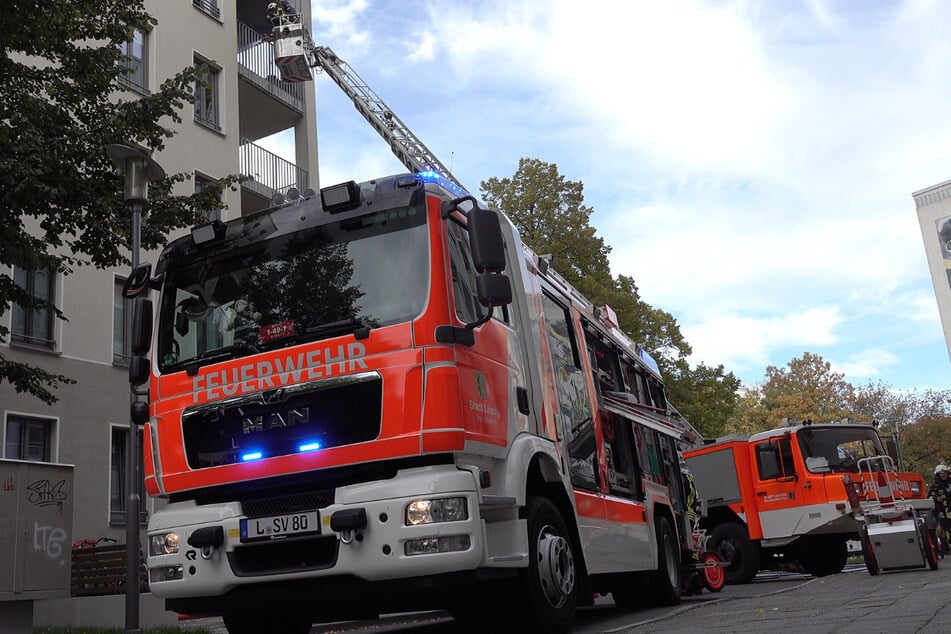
(280, 526)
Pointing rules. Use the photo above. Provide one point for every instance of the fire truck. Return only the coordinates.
(777, 499)
(375, 398)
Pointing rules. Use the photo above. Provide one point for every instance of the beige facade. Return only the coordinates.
(934, 217)
(247, 102)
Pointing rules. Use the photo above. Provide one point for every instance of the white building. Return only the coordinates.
(88, 426)
(934, 217)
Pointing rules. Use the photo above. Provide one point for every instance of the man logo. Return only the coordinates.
(482, 386)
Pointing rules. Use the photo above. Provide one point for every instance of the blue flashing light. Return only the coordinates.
(251, 455)
(430, 174)
(310, 446)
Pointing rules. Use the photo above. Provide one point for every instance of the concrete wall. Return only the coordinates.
(934, 214)
(101, 612)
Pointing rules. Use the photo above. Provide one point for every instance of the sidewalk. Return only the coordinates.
(893, 603)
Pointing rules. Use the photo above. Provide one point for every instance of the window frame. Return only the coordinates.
(128, 62)
(209, 8)
(22, 338)
(117, 516)
(49, 424)
(201, 180)
(207, 83)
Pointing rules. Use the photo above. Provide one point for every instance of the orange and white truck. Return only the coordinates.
(374, 398)
(777, 499)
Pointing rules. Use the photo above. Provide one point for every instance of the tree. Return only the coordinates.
(806, 388)
(551, 217)
(62, 103)
(705, 395)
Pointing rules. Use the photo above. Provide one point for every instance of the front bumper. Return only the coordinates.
(375, 553)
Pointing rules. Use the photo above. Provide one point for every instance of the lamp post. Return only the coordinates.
(138, 167)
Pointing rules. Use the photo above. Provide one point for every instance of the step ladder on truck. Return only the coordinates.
(891, 530)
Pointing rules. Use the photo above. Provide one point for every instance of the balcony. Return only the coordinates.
(269, 173)
(267, 104)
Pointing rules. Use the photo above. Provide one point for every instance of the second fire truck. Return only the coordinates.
(777, 499)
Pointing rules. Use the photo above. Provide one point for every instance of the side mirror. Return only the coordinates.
(141, 326)
(137, 281)
(139, 413)
(485, 238)
(493, 289)
(138, 370)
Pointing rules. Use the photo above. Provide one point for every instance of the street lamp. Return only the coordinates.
(138, 167)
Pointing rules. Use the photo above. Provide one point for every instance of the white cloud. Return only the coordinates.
(865, 364)
(742, 342)
(750, 163)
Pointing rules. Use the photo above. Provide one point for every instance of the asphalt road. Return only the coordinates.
(852, 601)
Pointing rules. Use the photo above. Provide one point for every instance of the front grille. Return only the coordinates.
(282, 505)
(276, 557)
(288, 420)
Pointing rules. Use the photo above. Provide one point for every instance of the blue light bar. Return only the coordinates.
(253, 455)
(311, 446)
(430, 174)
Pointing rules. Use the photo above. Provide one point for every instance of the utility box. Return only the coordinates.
(36, 525)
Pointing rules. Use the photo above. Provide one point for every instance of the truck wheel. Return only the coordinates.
(665, 585)
(713, 577)
(927, 547)
(257, 622)
(731, 543)
(550, 581)
(824, 557)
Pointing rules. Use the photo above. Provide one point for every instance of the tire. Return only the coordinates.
(666, 586)
(927, 547)
(550, 581)
(256, 623)
(713, 576)
(731, 543)
(871, 564)
(823, 557)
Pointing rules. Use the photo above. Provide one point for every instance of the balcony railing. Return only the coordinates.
(270, 173)
(256, 64)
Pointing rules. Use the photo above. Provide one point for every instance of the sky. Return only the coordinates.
(750, 164)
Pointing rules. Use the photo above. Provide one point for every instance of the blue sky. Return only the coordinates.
(750, 163)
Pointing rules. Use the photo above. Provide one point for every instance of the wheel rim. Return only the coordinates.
(556, 566)
(713, 575)
(728, 552)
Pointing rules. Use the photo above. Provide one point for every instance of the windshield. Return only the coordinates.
(839, 449)
(353, 274)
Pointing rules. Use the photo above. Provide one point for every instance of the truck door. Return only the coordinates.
(778, 487)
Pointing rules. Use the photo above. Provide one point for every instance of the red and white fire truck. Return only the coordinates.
(777, 499)
(376, 399)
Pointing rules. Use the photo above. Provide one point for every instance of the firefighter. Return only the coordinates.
(940, 492)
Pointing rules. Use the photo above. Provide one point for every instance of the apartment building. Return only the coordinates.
(934, 218)
(243, 102)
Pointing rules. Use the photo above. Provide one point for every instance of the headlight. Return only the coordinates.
(163, 544)
(431, 511)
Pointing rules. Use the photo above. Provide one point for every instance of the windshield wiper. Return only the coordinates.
(218, 354)
(357, 325)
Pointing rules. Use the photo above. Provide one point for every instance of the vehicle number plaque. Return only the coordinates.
(280, 526)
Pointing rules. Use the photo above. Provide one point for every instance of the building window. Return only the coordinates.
(121, 325)
(118, 493)
(29, 438)
(135, 62)
(34, 327)
(208, 6)
(201, 182)
(206, 95)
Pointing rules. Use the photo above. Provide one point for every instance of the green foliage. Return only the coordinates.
(706, 396)
(61, 105)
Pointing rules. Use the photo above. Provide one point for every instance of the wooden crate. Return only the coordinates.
(101, 570)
